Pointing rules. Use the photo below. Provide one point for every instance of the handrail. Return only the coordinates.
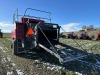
(16, 15)
(39, 11)
(36, 10)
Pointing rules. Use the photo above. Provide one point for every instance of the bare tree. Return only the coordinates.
(91, 27)
(84, 27)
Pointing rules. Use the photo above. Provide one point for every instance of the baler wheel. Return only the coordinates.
(95, 37)
(14, 46)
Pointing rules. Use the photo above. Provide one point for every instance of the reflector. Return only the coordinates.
(30, 31)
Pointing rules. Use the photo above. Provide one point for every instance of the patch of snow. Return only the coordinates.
(9, 39)
(19, 72)
(87, 45)
(9, 59)
(6, 48)
(13, 64)
(4, 60)
(98, 62)
(78, 73)
(89, 51)
(37, 61)
(1, 47)
(9, 73)
(53, 65)
(46, 64)
(52, 68)
(58, 67)
(48, 68)
(3, 51)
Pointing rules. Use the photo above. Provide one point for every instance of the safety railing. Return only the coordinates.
(16, 15)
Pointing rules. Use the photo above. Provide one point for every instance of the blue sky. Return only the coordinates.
(70, 14)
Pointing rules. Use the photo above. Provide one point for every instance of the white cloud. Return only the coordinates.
(6, 31)
(5, 24)
(70, 27)
(6, 27)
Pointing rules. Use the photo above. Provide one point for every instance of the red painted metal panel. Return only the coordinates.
(19, 30)
(24, 20)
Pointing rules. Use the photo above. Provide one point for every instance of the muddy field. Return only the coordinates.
(42, 63)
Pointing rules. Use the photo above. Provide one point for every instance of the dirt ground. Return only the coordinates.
(42, 63)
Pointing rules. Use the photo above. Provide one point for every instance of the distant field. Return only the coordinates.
(7, 35)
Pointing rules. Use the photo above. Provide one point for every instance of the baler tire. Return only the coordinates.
(15, 47)
(95, 37)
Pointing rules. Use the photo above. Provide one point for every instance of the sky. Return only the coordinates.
(70, 14)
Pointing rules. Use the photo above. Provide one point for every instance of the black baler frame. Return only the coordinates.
(64, 55)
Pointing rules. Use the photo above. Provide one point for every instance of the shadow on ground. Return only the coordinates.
(76, 66)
